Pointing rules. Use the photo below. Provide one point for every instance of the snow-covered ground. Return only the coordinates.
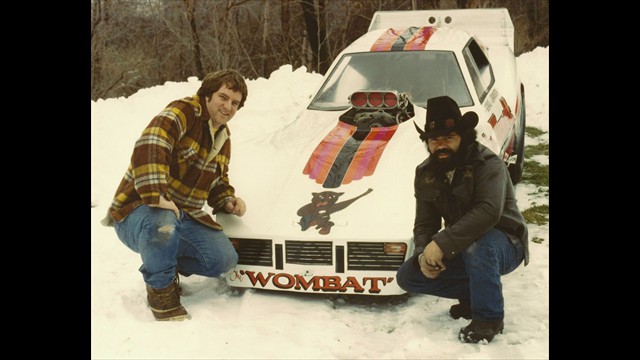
(227, 324)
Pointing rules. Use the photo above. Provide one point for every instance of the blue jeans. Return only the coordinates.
(472, 277)
(165, 242)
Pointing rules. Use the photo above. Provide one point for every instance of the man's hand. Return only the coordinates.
(235, 207)
(429, 271)
(167, 204)
(431, 260)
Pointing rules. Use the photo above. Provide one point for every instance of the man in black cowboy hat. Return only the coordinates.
(485, 235)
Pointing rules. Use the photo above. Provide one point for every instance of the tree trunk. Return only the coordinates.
(96, 16)
(323, 56)
(265, 34)
(533, 19)
(316, 33)
(190, 6)
(96, 56)
(285, 17)
(311, 22)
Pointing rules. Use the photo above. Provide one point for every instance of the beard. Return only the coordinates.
(445, 164)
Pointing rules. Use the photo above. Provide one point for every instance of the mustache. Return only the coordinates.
(443, 151)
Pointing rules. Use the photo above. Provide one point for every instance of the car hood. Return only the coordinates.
(276, 176)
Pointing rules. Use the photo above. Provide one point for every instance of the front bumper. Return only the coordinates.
(329, 266)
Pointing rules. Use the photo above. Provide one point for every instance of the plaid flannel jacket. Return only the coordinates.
(178, 155)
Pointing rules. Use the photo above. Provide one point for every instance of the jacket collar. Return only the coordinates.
(204, 113)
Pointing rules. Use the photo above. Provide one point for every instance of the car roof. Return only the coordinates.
(491, 25)
(413, 37)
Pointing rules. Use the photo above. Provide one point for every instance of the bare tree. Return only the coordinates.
(316, 33)
(190, 7)
(265, 35)
(96, 51)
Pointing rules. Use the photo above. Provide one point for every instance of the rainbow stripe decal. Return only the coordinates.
(412, 38)
(340, 158)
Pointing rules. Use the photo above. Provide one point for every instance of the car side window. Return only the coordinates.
(479, 68)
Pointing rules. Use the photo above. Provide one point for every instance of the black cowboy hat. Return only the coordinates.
(443, 117)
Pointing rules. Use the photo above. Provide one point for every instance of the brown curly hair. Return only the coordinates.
(213, 81)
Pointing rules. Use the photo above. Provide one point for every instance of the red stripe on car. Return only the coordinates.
(366, 159)
(420, 38)
(387, 39)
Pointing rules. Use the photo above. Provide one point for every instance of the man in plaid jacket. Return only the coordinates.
(180, 162)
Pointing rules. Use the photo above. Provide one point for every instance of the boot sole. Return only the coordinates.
(179, 314)
(175, 318)
(471, 339)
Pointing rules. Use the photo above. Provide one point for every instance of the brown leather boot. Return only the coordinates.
(165, 303)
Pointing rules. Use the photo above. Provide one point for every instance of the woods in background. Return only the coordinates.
(136, 44)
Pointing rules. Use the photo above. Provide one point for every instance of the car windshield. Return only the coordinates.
(420, 74)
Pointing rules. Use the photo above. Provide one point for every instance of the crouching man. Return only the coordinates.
(485, 236)
(179, 163)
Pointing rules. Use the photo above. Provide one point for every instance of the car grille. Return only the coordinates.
(360, 255)
(309, 252)
(254, 252)
(371, 256)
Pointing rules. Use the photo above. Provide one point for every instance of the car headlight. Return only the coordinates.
(395, 248)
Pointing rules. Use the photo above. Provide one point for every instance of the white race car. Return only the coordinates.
(337, 219)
